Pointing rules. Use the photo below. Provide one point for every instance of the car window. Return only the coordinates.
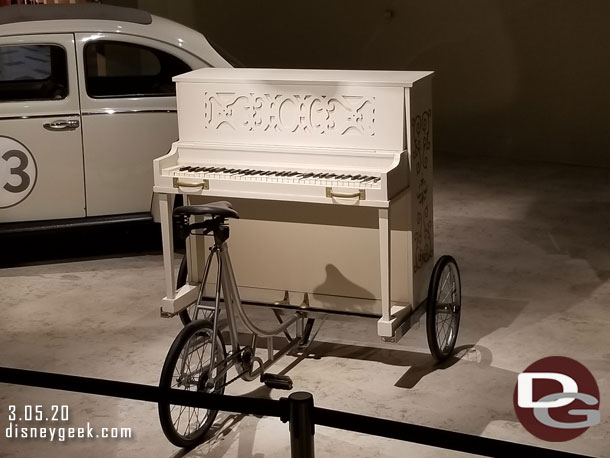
(33, 72)
(115, 69)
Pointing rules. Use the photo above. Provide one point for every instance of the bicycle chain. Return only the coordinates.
(233, 379)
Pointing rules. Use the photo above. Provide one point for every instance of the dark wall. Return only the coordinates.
(525, 78)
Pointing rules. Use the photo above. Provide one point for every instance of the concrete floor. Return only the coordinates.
(533, 244)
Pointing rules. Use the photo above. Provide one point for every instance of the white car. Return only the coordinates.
(86, 103)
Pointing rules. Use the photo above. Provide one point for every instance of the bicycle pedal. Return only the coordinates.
(281, 382)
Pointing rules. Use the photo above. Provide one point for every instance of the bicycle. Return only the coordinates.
(198, 360)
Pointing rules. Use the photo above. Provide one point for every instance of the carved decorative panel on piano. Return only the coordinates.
(331, 172)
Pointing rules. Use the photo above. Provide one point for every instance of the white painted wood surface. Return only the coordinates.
(370, 254)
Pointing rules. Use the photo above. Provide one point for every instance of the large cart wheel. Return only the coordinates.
(186, 315)
(443, 308)
(187, 367)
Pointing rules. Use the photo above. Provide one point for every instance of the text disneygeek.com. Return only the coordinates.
(40, 422)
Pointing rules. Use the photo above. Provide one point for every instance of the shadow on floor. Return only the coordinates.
(227, 431)
(79, 244)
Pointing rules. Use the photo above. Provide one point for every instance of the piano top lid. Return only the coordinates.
(379, 78)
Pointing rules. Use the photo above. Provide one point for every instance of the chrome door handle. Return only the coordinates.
(62, 124)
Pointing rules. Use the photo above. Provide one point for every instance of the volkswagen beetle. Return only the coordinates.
(86, 103)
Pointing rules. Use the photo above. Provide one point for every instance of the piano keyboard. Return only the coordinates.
(276, 176)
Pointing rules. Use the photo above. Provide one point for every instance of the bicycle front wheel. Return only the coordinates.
(188, 366)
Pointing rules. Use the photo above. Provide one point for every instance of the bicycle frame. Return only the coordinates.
(226, 287)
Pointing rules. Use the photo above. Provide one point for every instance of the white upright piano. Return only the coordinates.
(331, 173)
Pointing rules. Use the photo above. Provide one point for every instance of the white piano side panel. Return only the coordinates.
(422, 185)
(324, 250)
(332, 116)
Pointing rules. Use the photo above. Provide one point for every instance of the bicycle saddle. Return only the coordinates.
(221, 208)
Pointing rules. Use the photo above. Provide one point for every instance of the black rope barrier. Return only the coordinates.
(434, 437)
(297, 408)
(138, 392)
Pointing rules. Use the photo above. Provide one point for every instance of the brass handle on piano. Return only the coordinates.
(205, 184)
(360, 194)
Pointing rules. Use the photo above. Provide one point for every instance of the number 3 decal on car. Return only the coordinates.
(17, 172)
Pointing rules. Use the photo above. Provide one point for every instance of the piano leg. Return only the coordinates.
(166, 206)
(195, 250)
(384, 326)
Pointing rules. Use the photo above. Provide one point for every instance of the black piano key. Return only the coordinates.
(293, 174)
(368, 179)
(358, 177)
(308, 175)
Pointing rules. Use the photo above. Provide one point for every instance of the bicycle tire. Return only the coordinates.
(186, 348)
(442, 317)
(186, 314)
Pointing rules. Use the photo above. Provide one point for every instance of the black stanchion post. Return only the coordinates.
(302, 427)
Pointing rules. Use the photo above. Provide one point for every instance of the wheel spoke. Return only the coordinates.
(191, 370)
(443, 308)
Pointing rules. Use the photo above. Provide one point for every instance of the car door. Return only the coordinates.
(129, 116)
(41, 159)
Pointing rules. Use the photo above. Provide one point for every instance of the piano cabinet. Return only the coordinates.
(331, 254)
